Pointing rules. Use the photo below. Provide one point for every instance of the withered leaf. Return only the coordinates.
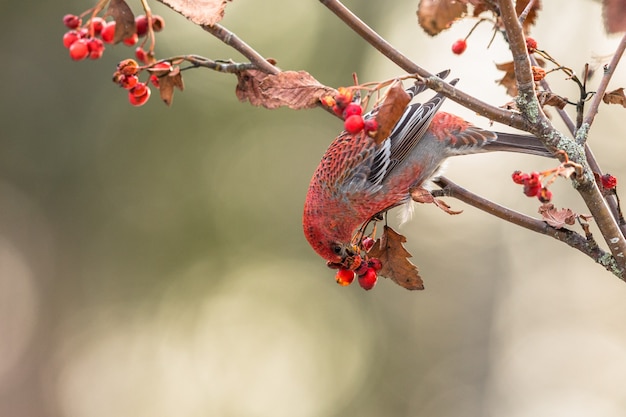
(481, 6)
(615, 97)
(391, 110)
(200, 12)
(531, 18)
(124, 19)
(424, 196)
(167, 84)
(614, 12)
(435, 16)
(294, 89)
(547, 98)
(508, 81)
(557, 218)
(389, 249)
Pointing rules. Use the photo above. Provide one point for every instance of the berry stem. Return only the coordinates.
(148, 10)
(94, 12)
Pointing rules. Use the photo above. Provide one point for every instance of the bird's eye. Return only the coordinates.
(337, 249)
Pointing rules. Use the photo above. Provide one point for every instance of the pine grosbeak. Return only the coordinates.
(358, 180)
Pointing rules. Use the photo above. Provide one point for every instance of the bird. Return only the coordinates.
(359, 179)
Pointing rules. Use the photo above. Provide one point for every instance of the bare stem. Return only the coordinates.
(609, 70)
(232, 40)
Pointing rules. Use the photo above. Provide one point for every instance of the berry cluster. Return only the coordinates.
(127, 77)
(87, 41)
(351, 112)
(365, 269)
(533, 186)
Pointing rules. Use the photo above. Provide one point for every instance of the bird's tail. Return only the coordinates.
(511, 142)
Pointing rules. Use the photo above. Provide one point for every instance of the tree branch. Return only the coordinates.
(493, 113)
(609, 70)
(552, 138)
(566, 236)
(232, 40)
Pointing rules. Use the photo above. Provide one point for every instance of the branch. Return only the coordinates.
(552, 138)
(569, 237)
(609, 70)
(491, 112)
(232, 40)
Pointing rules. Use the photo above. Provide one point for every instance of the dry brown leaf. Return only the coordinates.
(615, 97)
(124, 19)
(296, 90)
(508, 81)
(614, 12)
(435, 16)
(200, 12)
(424, 196)
(481, 6)
(547, 98)
(389, 249)
(557, 218)
(391, 110)
(167, 84)
(531, 18)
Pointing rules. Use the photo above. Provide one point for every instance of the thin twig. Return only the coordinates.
(609, 70)
(232, 40)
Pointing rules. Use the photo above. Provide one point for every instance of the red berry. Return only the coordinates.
(544, 195)
(108, 32)
(375, 263)
(608, 181)
(131, 40)
(532, 185)
(154, 80)
(367, 243)
(71, 21)
(532, 190)
(338, 110)
(96, 48)
(141, 55)
(157, 23)
(459, 46)
(140, 89)
(344, 277)
(128, 67)
(519, 177)
(137, 99)
(362, 269)
(97, 24)
(352, 109)
(531, 44)
(342, 100)
(368, 280)
(128, 81)
(141, 25)
(79, 50)
(370, 126)
(70, 37)
(354, 124)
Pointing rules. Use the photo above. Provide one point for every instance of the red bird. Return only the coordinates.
(357, 179)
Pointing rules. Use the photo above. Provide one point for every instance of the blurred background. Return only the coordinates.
(152, 261)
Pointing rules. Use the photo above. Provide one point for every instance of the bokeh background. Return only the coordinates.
(152, 261)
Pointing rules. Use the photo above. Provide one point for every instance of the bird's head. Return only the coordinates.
(331, 238)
